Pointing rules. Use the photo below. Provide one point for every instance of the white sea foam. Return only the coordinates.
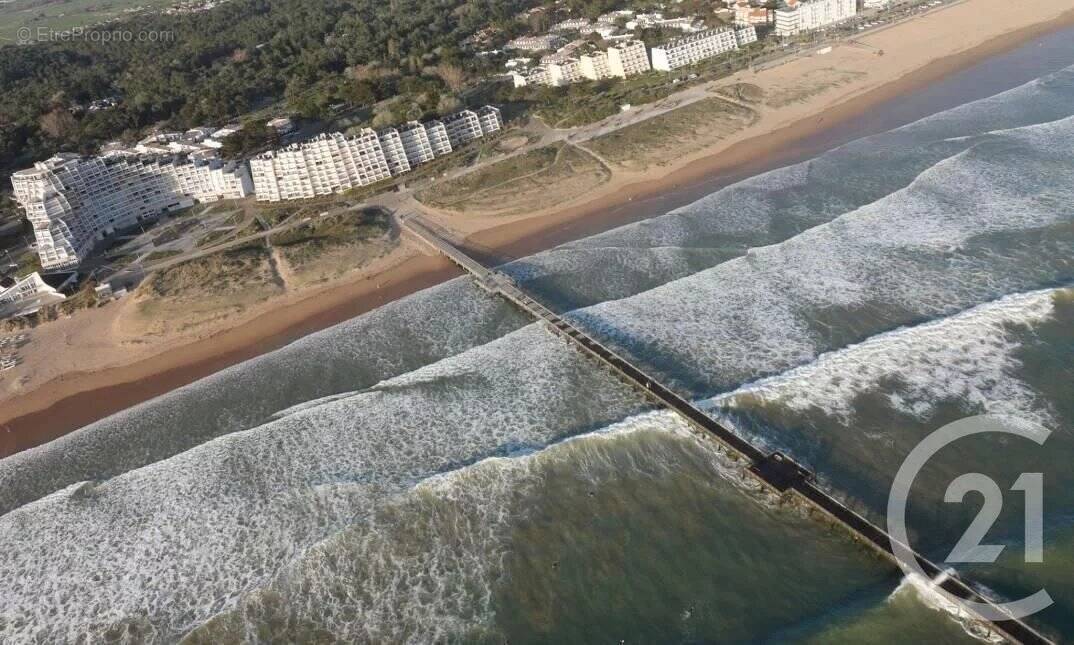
(182, 534)
(927, 592)
(968, 357)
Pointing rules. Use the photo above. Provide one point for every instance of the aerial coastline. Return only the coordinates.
(916, 54)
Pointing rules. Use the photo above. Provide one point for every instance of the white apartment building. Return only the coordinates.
(463, 127)
(331, 163)
(416, 144)
(805, 15)
(394, 151)
(565, 73)
(438, 138)
(490, 118)
(745, 35)
(73, 202)
(536, 43)
(627, 59)
(693, 48)
(622, 60)
(26, 296)
(594, 65)
(573, 24)
(326, 164)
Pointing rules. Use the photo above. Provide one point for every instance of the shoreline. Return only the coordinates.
(77, 399)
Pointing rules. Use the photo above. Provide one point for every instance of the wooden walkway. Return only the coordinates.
(776, 471)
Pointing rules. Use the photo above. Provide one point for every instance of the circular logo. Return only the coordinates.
(900, 492)
(24, 35)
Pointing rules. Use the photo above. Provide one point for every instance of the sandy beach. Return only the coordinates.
(79, 369)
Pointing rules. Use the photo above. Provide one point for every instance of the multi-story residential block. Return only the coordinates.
(416, 144)
(490, 118)
(627, 59)
(462, 127)
(693, 48)
(573, 24)
(805, 15)
(594, 65)
(603, 29)
(26, 295)
(565, 73)
(745, 35)
(74, 202)
(394, 151)
(326, 164)
(537, 43)
(438, 138)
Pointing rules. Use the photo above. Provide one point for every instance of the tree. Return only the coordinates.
(452, 75)
(58, 124)
(448, 104)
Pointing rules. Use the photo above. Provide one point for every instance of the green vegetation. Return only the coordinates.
(670, 136)
(49, 14)
(524, 183)
(195, 293)
(214, 66)
(342, 228)
(447, 193)
(255, 136)
(588, 102)
(329, 246)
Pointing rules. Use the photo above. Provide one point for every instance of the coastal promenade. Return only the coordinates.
(776, 471)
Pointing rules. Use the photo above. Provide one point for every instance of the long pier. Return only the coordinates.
(776, 471)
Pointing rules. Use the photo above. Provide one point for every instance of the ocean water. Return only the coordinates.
(442, 470)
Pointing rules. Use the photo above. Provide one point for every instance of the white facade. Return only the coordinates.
(627, 59)
(416, 144)
(565, 73)
(536, 43)
(73, 202)
(490, 119)
(394, 151)
(333, 162)
(693, 48)
(797, 16)
(462, 127)
(438, 138)
(594, 65)
(26, 296)
(745, 35)
(326, 164)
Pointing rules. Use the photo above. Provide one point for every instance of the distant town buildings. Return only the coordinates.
(537, 43)
(25, 296)
(796, 16)
(332, 163)
(746, 14)
(696, 47)
(620, 60)
(73, 202)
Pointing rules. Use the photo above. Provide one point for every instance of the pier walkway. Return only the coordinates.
(775, 471)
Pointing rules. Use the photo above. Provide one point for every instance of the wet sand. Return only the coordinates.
(77, 399)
